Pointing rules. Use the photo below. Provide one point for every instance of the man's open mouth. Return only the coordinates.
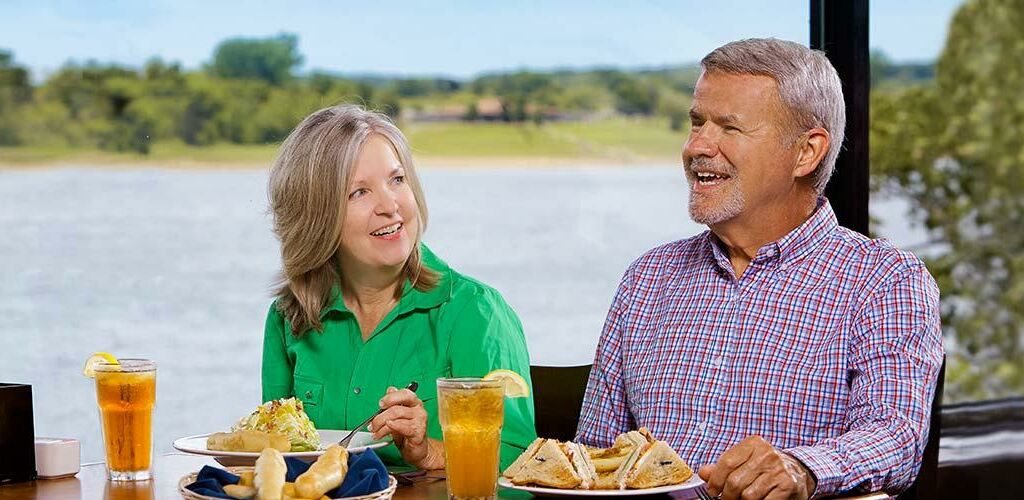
(709, 179)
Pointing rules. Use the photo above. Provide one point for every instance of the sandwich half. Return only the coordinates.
(657, 464)
(580, 459)
(531, 450)
(549, 466)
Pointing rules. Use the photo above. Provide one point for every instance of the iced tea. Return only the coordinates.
(126, 394)
(471, 413)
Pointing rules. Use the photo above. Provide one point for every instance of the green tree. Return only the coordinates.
(955, 149)
(15, 92)
(268, 59)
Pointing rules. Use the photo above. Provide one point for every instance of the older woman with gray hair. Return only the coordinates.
(782, 354)
(363, 307)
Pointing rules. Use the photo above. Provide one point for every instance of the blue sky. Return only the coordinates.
(457, 38)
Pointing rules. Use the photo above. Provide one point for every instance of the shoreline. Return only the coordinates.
(425, 162)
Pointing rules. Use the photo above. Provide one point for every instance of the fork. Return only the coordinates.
(348, 439)
(702, 494)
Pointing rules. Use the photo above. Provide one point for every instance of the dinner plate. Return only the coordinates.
(689, 484)
(197, 445)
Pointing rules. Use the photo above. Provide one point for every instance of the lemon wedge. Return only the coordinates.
(89, 370)
(515, 384)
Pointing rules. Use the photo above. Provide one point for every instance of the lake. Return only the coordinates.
(176, 266)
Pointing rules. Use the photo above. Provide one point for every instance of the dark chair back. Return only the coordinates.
(557, 399)
(927, 483)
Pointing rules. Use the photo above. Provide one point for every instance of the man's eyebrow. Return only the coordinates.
(727, 119)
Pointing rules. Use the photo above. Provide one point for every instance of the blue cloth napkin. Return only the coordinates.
(366, 474)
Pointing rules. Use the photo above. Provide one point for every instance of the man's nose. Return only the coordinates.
(700, 143)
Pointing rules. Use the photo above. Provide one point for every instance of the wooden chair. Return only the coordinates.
(557, 399)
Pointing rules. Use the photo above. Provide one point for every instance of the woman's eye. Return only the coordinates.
(357, 193)
(398, 179)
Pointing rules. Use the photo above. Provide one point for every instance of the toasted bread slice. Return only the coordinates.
(580, 458)
(631, 438)
(615, 479)
(511, 470)
(549, 466)
(247, 440)
(658, 465)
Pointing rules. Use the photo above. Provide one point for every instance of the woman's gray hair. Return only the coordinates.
(809, 87)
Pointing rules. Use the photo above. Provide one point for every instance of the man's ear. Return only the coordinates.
(813, 147)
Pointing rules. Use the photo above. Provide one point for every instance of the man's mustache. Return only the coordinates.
(706, 164)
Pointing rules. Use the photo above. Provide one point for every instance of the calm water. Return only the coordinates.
(176, 266)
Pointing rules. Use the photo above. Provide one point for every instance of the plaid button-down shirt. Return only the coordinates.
(828, 346)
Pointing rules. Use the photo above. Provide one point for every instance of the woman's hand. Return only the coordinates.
(405, 419)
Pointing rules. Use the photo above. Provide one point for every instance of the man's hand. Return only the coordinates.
(756, 469)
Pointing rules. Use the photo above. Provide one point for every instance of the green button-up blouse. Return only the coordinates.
(460, 328)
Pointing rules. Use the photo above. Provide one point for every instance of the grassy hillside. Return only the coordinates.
(617, 140)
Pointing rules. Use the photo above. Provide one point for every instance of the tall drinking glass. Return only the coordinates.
(471, 411)
(126, 394)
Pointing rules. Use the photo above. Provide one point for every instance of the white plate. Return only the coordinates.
(689, 484)
(361, 441)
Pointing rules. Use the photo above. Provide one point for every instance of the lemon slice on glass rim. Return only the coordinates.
(89, 370)
(514, 383)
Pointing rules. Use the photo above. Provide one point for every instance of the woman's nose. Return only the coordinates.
(387, 202)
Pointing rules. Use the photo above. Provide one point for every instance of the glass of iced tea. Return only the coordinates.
(126, 394)
(471, 411)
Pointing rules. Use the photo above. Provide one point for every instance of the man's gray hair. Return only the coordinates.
(809, 87)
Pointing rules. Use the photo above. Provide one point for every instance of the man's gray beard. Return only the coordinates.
(731, 205)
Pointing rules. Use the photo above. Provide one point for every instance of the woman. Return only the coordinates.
(364, 307)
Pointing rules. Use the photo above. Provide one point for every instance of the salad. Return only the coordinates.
(283, 416)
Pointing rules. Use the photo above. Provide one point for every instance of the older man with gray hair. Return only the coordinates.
(782, 354)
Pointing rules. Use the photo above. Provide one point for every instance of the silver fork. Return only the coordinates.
(702, 494)
(348, 439)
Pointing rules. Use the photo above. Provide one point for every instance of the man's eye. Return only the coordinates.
(730, 128)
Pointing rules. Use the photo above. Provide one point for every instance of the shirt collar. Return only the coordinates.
(790, 247)
(412, 298)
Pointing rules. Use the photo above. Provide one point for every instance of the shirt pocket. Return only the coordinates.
(311, 392)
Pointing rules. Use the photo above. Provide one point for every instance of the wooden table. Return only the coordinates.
(91, 483)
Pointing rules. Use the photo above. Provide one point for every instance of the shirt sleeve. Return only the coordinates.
(487, 335)
(895, 358)
(277, 367)
(605, 413)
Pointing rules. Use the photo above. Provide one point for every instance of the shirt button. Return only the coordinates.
(309, 394)
(702, 426)
(717, 362)
(357, 390)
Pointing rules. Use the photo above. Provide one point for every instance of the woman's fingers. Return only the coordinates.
(386, 422)
(402, 397)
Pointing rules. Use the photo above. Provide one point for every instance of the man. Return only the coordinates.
(782, 354)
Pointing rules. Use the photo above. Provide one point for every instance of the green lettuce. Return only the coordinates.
(283, 416)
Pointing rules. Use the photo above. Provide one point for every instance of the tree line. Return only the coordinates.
(249, 93)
